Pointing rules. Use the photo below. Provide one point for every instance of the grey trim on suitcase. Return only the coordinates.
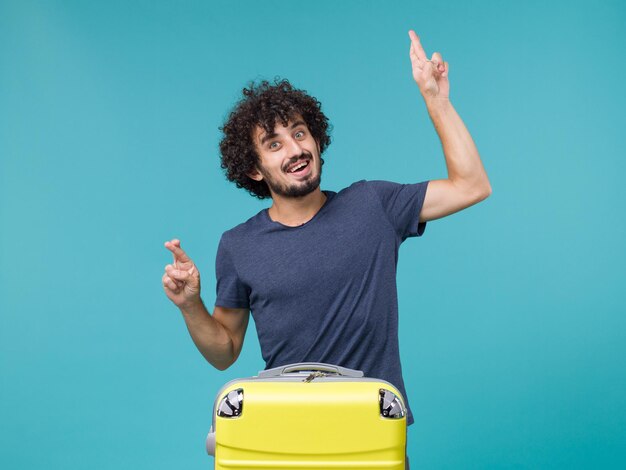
(310, 366)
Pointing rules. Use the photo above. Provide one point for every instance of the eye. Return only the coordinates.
(274, 145)
(299, 134)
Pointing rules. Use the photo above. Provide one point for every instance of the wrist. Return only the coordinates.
(192, 306)
(437, 106)
(435, 101)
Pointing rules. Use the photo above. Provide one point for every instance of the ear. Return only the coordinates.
(255, 174)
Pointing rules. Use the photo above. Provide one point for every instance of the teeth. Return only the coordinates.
(296, 168)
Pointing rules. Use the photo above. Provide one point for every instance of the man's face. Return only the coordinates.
(289, 159)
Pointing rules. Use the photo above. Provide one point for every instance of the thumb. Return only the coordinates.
(437, 61)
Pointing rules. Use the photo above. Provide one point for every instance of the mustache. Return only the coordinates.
(293, 160)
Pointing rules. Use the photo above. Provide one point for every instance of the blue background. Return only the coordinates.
(512, 312)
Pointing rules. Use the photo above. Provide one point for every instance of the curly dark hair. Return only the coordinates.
(264, 105)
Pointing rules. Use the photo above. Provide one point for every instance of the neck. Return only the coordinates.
(293, 211)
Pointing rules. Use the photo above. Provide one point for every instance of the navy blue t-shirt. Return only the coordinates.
(325, 291)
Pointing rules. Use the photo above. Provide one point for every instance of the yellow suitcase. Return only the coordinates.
(308, 416)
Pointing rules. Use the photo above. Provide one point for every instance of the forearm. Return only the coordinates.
(465, 169)
(209, 335)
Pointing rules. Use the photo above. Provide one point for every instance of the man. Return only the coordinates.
(318, 269)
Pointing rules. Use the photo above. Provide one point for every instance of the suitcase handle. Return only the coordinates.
(310, 367)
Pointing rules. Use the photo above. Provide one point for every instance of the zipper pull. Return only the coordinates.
(314, 375)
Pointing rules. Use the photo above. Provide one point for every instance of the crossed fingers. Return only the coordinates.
(177, 252)
(419, 57)
(416, 48)
(181, 269)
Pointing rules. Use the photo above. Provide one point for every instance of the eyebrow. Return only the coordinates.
(267, 137)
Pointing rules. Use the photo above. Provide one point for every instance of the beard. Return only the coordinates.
(296, 190)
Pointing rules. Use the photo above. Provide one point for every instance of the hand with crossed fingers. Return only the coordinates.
(181, 280)
(431, 75)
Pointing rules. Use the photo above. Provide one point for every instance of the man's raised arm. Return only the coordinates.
(467, 181)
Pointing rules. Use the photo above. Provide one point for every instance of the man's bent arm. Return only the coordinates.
(219, 337)
(467, 181)
(219, 342)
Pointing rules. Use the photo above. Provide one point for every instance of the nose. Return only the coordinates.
(294, 147)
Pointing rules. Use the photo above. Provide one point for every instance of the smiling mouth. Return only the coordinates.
(299, 166)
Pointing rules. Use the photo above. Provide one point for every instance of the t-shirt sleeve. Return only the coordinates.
(231, 291)
(402, 203)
